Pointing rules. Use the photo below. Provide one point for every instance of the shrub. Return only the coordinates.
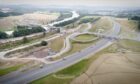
(3, 35)
(44, 43)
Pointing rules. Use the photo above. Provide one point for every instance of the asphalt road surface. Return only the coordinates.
(36, 73)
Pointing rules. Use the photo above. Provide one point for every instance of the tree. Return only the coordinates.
(3, 35)
(135, 18)
(44, 43)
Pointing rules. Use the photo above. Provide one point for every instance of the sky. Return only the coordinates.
(119, 3)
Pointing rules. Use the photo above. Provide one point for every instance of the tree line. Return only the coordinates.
(25, 30)
(66, 22)
(86, 20)
(137, 18)
(22, 31)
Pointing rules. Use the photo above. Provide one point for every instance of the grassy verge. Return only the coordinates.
(51, 80)
(74, 70)
(10, 69)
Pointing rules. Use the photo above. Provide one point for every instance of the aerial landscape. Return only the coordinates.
(69, 42)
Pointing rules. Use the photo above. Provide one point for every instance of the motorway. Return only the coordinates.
(36, 73)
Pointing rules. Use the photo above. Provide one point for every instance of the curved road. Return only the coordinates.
(67, 44)
(36, 73)
(67, 41)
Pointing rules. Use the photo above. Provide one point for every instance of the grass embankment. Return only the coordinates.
(85, 37)
(51, 80)
(73, 70)
(126, 24)
(9, 69)
(129, 26)
(104, 24)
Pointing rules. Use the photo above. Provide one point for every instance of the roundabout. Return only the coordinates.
(85, 38)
